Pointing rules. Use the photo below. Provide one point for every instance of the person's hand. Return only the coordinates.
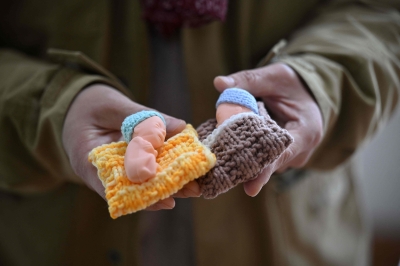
(290, 104)
(94, 118)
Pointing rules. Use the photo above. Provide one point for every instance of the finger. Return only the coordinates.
(165, 204)
(223, 82)
(190, 190)
(95, 183)
(117, 107)
(305, 139)
(253, 187)
(174, 125)
(256, 81)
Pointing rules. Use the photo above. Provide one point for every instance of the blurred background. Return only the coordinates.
(378, 165)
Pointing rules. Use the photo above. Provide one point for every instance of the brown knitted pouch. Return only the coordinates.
(244, 146)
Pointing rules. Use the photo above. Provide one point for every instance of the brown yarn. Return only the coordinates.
(243, 149)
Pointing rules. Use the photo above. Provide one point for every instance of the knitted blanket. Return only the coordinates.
(182, 159)
(244, 145)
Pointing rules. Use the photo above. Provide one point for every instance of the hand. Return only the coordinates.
(94, 118)
(290, 104)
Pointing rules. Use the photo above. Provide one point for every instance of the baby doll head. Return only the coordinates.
(149, 125)
(234, 101)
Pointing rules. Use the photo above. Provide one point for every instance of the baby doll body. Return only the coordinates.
(175, 162)
(140, 156)
(244, 140)
(140, 160)
(234, 101)
(227, 110)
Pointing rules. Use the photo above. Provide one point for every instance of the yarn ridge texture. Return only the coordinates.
(182, 159)
(244, 146)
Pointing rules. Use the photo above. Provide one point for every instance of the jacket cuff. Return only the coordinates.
(308, 67)
(36, 98)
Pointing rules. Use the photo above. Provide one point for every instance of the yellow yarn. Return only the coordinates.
(182, 159)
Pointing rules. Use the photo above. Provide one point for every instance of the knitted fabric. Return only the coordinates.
(133, 120)
(244, 145)
(238, 96)
(182, 159)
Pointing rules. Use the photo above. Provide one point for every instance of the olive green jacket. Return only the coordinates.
(347, 52)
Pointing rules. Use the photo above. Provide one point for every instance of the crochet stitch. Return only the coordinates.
(133, 120)
(244, 145)
(182, 159)
(238, 96)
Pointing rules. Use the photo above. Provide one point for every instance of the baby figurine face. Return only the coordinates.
(152, 129)
(226, 110)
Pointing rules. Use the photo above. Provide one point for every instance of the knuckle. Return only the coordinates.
(301, 162)
(313, 133)
(250, 76)
(77, 167)
(285, 158)
(315, 138)
(286, 71)
(301, 159)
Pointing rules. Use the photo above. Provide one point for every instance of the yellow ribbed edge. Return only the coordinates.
(182, 159)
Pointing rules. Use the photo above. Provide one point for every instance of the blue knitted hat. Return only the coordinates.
(238, 96)
(133, 120)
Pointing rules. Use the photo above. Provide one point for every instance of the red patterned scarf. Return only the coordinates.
(168, 15)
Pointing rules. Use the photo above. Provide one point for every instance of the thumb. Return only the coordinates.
(224, 82)
(174, 125)
(256, 81)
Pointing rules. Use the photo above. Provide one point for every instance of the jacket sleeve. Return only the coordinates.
(349, 56)
(34, 99)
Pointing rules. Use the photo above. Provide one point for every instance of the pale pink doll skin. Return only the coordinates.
(226, 110)
(140, 156)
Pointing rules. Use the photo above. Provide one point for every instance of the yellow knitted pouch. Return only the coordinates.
(182, 159)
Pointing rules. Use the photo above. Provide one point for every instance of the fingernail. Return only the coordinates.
(167, 206)
(192, 193)
(230, 82)
(251, 191)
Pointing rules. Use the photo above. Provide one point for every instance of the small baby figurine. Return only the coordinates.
(144, 132)
(232, 102)
(243, 138)
(144, 169)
